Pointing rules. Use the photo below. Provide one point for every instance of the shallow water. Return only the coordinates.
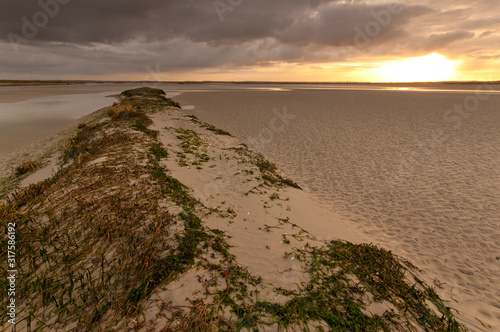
(28, 121)
(417, 171)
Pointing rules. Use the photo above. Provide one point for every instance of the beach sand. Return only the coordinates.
(449, 230)
(419, 183)
(263, 223)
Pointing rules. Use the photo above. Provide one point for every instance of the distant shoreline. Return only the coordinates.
(29, 83)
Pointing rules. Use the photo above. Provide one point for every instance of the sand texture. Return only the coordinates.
(419, 177)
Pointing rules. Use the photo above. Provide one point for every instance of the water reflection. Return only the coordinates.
(31, 120)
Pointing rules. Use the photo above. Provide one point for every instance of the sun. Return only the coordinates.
(432, 67)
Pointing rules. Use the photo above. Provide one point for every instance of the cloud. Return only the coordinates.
(486, 33)
(289, 21)
(439, 41)
(484, 22)
(113, 36)
(488, 57)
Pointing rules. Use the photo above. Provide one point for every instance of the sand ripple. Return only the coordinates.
(426, 187)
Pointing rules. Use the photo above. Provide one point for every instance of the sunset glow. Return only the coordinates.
(433, 67)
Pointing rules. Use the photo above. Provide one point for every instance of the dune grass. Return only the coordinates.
(208, 126)
(269, 172)
(26, 167)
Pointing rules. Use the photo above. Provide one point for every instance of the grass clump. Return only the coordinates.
(173, 187)
(91, 140)
(139, 120)
(167, 269)
(81, 246)
(191, 142)
(216, 130)
(84, 143)
(123, 112)
(209, 126)
(158, 151)
(269, 172)
(147, 99)
(92, 250)
(142, 125)
(26, 167)
(144, 92)
(270, 175)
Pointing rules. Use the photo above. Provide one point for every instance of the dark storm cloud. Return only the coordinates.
(290, 21)
(110, 36)
(114, 21)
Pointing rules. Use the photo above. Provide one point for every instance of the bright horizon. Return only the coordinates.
(373, 41)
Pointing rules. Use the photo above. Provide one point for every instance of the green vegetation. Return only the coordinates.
(123, 112)
(344, 277)
(191, 143)
(268, 171)
(158, 151)
(216, 130)
(9, 182)
(91, 140)
(145, 93)
(173, 187)
(208, 126)
(93, 259)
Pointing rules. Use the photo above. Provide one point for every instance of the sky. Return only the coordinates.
(250, 40)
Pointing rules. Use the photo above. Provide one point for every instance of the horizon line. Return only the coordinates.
(242, 82)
